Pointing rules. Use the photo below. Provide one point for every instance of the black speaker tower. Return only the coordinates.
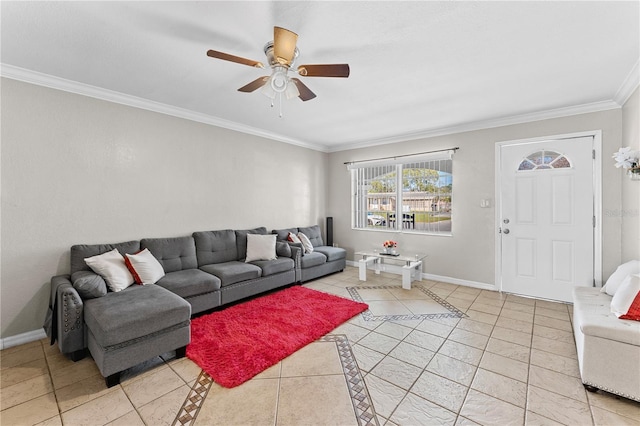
(329, 231)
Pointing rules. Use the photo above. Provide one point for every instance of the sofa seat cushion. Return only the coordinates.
(133, 313)
(233, 272)
(275, 266)
(332, 253)
(592, 310)
(190, 282)
(312, 259)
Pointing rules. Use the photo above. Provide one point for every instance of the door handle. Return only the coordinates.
(506, 221)
(506, 231)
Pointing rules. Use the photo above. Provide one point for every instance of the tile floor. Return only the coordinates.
(437, 355)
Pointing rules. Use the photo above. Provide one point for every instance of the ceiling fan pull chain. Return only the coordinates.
(280, 101)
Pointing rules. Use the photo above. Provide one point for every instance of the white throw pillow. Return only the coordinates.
(293, 238)
(626, 302)
(624, 270)
(261, 247)
(144, 267)
(306, 243)
(111, 267)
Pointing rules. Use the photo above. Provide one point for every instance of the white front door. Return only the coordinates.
(546, 214)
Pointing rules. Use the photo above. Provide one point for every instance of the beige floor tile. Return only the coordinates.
(424, 340)
(461, 304)
(557, 306)
(552, 313)
(353, 332)
(501, 387)
(468, 338)
(439, 390)
(163, 411)
(272, 372)
(487, 410)
(533, 419)
(186, 369)
(606, 418)
(25, 391)
(412, 324)
(435, 328)
(610, 402)
(442, 292)
(258, 407)
(471, 290)
(463, 421)
(315, 359)
(479, 306)
(554, 346)
(370, 294)
(427, 306)
(384, 395)
(553, 323)
(557, 382)
(366, 358)
(379, 342)
(315, 400)
(53, 421)
(12, 349)
(414, 410)
(522, 300)
(132, 418)
(516, 314)
(413, 294)
(506, 366)
(397, 372)
(145, 389)
(508, 349)
(452, 369)
(513, 306)
(58, 361)
(20, 373)
(388, 307)
(394, 330)
(18, 357)
(461, 352)
(561, 364)
(458, 294)
(475, 326)
(512, 336)
(360, 322)
(414, 355)
(80, 370)
(99, 411)
(81, 392)
(557, 407)
(514, 324)
(553, 334)
(30, 412)
(482, 317)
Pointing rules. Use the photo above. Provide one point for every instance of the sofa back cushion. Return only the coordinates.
(174, 254)
(282, 234)
(314, 235)
(241, 240)
(81, 251)
(216, 246)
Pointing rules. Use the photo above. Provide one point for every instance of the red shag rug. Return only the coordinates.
(235, 344)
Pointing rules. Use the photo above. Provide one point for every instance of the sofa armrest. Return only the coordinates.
(69, 318)
(296, 255)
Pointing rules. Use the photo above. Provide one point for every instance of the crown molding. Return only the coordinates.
(46, 80)
(486, 124)
(629, 85)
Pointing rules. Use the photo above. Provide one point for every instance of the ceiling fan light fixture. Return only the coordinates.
(292, 90)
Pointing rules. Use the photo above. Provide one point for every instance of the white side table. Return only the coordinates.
(411, 270)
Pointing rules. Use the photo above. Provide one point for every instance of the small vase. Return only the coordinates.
(634, 174)
(388, 250)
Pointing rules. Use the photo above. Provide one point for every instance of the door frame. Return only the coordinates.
(597, 200)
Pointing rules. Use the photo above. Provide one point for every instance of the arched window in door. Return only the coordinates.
(540, 160)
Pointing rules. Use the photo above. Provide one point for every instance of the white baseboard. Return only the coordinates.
(395, 269)
(21, 339)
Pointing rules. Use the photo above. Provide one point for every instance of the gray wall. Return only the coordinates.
(80, 170)
(469, 255)
(630, 211)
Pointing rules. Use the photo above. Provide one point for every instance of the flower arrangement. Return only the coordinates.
(389, 244)
(628, 160)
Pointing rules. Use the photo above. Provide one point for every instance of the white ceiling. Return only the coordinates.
(417, 68)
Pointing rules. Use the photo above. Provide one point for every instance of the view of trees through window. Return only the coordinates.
(423, 201)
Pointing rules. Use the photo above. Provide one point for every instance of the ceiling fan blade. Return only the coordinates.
(305, 93)
(284, 45)
(255, 84)
(232, 58)
(325, 70)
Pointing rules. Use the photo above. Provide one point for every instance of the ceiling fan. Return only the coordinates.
(281, 55)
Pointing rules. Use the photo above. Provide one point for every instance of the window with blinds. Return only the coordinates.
(411, 194)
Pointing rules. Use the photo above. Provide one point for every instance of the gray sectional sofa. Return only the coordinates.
(203, 271)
